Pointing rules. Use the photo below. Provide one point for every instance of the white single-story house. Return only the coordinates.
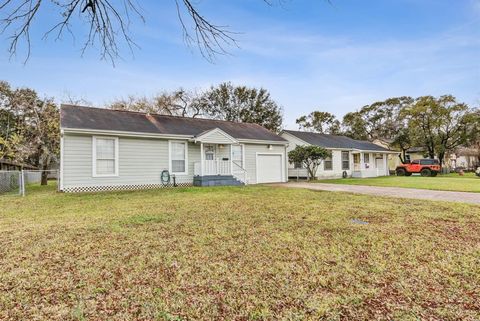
(350, 157)
(103, 149)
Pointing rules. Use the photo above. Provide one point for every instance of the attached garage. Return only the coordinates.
(270, 168)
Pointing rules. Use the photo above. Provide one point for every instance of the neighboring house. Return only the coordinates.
(104, 149)
(354, 157)
(394, 159)
(411, 154)
(465, 158)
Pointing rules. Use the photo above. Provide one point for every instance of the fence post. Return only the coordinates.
(22, 184)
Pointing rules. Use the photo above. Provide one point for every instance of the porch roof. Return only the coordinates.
(216, 136)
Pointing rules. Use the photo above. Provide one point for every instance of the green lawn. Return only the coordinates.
(250, 253)
(450, 182)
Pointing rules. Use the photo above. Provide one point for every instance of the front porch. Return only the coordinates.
(221, 160)
(369, 165)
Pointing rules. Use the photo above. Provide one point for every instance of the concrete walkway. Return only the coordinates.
(399, 192)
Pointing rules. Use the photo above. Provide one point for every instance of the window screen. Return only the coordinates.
(237, 155)
(345, 160)
(178, 157)
(366, 158)
(328, 164)
(105, 156)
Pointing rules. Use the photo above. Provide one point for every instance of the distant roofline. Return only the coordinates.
(292, 132)
(299, 131)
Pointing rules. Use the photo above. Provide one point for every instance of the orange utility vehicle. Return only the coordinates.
(426, 167)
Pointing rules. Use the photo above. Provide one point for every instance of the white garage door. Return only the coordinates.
(269, 168)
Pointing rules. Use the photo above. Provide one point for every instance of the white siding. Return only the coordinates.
(223, 152)
(293, 142)
(141, 161)
(337, 170)
(251, 151)
(216, 137)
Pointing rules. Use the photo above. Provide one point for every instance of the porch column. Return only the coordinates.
(231, 160)
(201, 159)
(385, 163)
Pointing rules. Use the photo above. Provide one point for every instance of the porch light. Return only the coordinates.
(270, 147)
(221, 146)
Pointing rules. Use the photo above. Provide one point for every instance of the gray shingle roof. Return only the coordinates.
(335, 141)
(79, 117)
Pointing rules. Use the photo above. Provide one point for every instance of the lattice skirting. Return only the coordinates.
(90, 189)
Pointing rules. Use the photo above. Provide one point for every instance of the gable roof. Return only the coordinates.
(90, 118)
(213, 135)
(336, 141)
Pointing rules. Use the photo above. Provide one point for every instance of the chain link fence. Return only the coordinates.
(19, 183)
(11, 183)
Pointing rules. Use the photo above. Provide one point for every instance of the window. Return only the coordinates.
(345, 160)
(429, 162)
(237, 155)
(178, 157)
(209, 152)
(416, 162)
(328, 164)
(366, 158)
(105, 156)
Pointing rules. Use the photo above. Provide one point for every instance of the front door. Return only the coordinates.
(210, 163)
(356, 162)
(379, 163)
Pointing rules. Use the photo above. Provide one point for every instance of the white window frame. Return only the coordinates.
(170, 142)
(368, 155)
(325, 169)
(345, 160)
(213, 152)
(243, 153)
(94, 156)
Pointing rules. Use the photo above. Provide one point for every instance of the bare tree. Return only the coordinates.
(176, 103)
(108, 23)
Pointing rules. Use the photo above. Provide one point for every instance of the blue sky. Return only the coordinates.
(309, 54)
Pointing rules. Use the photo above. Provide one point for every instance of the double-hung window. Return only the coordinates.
(237, 155)
(366, 160)
(328, 164)
(178, 157)
(105, 156)
(297, 165)
(345, 160)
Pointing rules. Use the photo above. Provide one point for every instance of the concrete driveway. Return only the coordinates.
(399, 192)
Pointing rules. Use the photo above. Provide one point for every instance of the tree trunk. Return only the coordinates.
(441, 156)
(44, 164)
(310, 173)
(44, 176)
(403, 156)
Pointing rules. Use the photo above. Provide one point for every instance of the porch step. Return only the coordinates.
(216, 180)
